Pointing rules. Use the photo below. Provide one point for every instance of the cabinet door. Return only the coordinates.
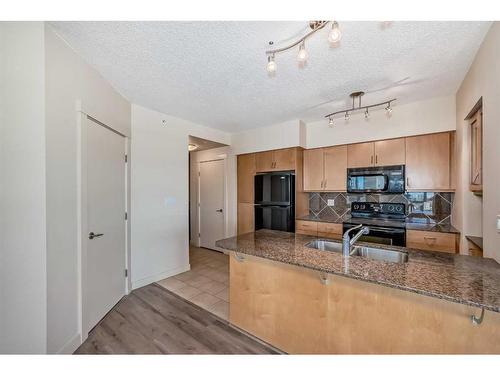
(335, 168)
(428, 162)
(313, 169)
(360, 155)
(246, 218)
(264, 161)
(284, 160)
(246, 173)
(435, 241)
(390, 152)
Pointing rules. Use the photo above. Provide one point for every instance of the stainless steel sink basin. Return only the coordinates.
(362, 251)
(380, 254)
(325, 245)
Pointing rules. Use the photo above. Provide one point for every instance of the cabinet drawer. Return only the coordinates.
(330, 230)
(306, 227)
(445, 242)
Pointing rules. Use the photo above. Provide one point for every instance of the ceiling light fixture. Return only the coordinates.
(271, 64)
(335, 34)
(302, 55)
(358, 95)
(192, 147)
(334, 37)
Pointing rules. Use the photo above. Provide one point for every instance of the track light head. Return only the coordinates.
(271, 64)
(330, 122)
(335, 34)
(302, 55)
(367, 114)
(347, 116)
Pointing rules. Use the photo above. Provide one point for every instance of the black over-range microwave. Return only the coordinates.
(388, 180)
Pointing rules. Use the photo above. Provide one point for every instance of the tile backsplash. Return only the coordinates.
(427, 207)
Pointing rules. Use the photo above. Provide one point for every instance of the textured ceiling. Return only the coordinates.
(213, 73)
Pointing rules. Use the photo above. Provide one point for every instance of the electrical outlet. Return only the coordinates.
(330, 202)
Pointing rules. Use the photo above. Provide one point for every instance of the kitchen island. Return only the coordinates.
(304, 300)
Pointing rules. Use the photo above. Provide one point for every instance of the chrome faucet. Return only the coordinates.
(347, 242)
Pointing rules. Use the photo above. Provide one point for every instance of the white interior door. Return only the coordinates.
(211, 203)
(106, 260)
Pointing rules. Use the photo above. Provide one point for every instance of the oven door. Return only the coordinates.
(381, 235)
(367, 183)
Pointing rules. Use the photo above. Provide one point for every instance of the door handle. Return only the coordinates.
(219, 210)
(93, 235)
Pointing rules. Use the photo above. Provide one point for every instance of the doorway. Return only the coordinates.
(211, 202)
(103, 220)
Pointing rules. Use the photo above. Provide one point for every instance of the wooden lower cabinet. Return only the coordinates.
(330, 230)
(435, 241)
(246, 217)
(307, 227)
(290, 308)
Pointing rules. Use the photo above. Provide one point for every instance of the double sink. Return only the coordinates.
(368, 252)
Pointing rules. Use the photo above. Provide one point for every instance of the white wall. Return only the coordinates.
(68, 80)
(160, 188)
(23, 291)
(282, 135)
(428, 116)
(482, 80)
(231, 188)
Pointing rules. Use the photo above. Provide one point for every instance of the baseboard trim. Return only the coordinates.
(71, 345)
(160, 276)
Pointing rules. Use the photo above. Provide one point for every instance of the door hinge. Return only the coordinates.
(126, 158)
(126, 273)
(126, 216)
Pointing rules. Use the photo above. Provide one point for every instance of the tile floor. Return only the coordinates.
(206, 284)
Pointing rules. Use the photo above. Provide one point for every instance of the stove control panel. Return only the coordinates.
(370, 209)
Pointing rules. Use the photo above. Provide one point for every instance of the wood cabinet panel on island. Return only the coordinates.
(302, 311)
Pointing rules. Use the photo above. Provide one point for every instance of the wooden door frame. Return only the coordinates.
(198, 196)
(82, 215)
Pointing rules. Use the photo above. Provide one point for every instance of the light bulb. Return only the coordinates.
(367, 115)
(330, 122)
(335, 34)
(271, 64)
(302, 55)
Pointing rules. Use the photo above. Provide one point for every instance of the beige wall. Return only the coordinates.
(23, 289)
(482, 80)
(68, 80)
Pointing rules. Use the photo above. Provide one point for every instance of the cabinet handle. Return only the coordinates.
(430, 240)
(376, 159)
(371, 159)
(407, 182)
(325, 183)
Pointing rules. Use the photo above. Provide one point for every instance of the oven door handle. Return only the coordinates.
(385, 230)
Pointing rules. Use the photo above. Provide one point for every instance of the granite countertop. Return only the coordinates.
(412, 225)
(463, 279)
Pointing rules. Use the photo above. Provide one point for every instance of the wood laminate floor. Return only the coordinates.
(152, 320)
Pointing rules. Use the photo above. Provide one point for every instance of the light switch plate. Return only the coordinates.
(330, 202)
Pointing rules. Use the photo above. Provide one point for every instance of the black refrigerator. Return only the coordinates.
(275, 201)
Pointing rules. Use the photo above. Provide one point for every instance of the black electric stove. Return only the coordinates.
(385, 220)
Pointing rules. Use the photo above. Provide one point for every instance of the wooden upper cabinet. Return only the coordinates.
(313, 169)
(428, 162)
(264, 161)
(390, 152)
(325, 169)
(246, 173)
(277, 160)
(361, 155)
(284, 160)
(335, 168)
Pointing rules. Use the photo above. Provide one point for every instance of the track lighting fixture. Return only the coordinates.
(333, 37)
(335, 34)
(302, 55)
(357, 95)
(271, 64)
